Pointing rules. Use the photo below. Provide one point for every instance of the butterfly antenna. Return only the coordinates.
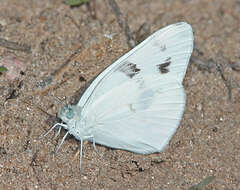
(58, 100)
(81, 147)
(65, 136)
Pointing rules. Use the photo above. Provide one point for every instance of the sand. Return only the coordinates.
(205, 144)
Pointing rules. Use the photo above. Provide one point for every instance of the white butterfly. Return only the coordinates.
(137, 103)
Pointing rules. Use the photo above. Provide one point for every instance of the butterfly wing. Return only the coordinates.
(170, 47)
(137, 103)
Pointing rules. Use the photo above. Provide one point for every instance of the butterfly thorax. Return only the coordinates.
(76, 124)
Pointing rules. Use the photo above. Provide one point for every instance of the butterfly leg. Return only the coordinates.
(81, 147)
(95, 148)
(54, 126)
(58, 132)
(65, 136)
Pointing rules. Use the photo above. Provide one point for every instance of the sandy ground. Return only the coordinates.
(207, 141)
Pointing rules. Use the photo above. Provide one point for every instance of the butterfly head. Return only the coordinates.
(70, 114)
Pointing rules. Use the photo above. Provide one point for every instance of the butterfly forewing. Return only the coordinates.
(174, 41)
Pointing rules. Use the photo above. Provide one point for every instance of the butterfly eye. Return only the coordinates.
(70, 113)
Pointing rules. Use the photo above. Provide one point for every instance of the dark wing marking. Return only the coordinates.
(130, 69)
(163, 67)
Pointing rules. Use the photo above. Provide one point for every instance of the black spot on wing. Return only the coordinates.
(163, 47)
(130, 69)
(163, 67)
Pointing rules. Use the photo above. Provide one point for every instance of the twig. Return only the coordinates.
(92, 9)
(34, 158)
(235, 66)
(230, 87)
(201, 64)
(14, 45)
(73, 21)
(142, 33)
(58, 71)
(219, 68)
(122, 23)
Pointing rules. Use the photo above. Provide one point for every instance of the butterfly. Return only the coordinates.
(137, 103)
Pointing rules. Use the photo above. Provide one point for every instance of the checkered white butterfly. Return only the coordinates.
(137, 103)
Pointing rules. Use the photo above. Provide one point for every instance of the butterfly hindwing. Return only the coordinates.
(144, 118)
